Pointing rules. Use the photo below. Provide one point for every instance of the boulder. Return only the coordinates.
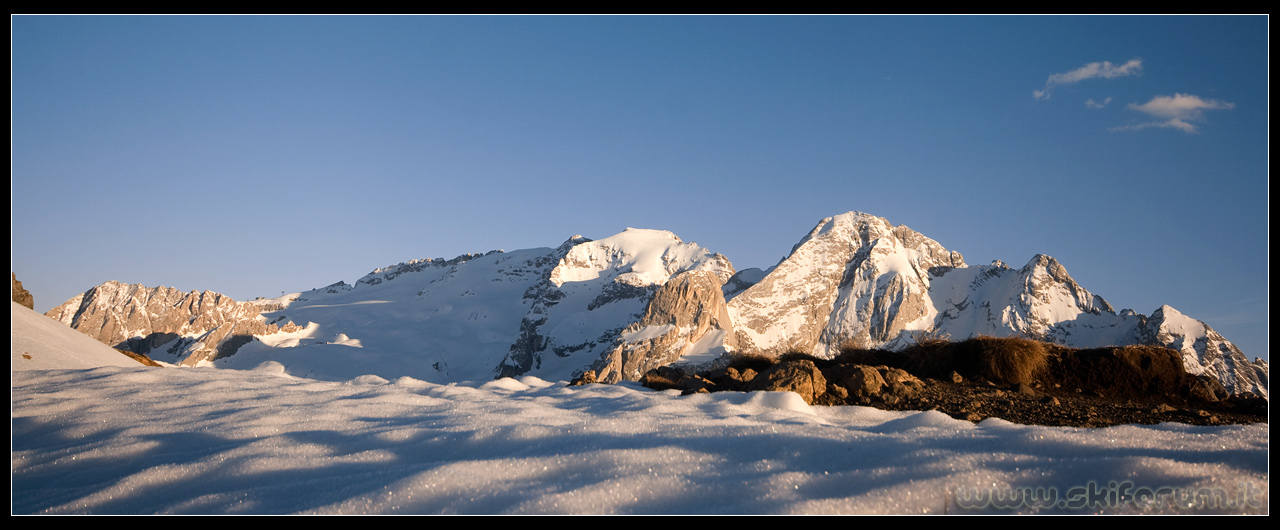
(799, 376)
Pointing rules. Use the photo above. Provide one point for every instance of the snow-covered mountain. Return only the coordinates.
(637, 300)
(857, 278)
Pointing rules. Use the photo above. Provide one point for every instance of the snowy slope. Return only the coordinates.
(117, 440)
(137, 440)
(434, 320)
(545, 312)
(41, 343)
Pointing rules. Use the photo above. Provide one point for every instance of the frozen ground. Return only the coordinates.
(125, 440)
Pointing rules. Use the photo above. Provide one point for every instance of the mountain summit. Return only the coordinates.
(637, 300)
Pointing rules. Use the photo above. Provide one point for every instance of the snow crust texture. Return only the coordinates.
(114, 440)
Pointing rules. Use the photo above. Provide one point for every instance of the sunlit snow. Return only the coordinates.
(130, 439)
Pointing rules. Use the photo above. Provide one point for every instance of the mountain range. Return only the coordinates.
(637, 300)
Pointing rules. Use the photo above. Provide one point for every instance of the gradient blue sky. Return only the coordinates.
(255, 155)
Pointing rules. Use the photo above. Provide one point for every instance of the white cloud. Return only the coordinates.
(1177, 111)
(1104, 70)
(1096, 105)
(1184, 106)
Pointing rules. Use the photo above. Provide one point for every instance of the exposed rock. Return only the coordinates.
(801, 377)
(668, 377)
(899, 382)
(20, 295)
(526, 352)
(197, 326)
(686, 315)
(588, 377)
(385, 274)
(860, 381)
(741, 281)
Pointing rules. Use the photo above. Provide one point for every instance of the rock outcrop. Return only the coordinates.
(20, 295)
(163, 322)
(799, 376)
(687, 320)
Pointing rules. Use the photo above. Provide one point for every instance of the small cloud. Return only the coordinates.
(1095, 105)
(1173, 124)
(1177, 111)
(1104, 69)
(1185, 106)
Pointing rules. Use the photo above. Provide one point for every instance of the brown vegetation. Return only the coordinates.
(141, 358)
(1018, 379)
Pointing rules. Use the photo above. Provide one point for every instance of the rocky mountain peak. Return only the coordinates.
(183, 328)
(854, 277)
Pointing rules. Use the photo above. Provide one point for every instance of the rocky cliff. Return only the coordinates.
(686, 321)
(163, 322)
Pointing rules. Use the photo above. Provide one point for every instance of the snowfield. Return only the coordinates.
(137, 440)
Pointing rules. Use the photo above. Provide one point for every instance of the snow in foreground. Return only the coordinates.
(202, 440)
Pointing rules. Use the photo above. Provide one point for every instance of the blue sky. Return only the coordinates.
(255, 155)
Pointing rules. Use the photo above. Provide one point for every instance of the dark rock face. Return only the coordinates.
(526, 353)
(21, 295)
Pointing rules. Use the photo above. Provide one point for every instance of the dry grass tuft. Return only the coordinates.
(659, 379)
(1011, 360)
(756, 361)
(870, 357)
(931, 359)
(796, 355)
